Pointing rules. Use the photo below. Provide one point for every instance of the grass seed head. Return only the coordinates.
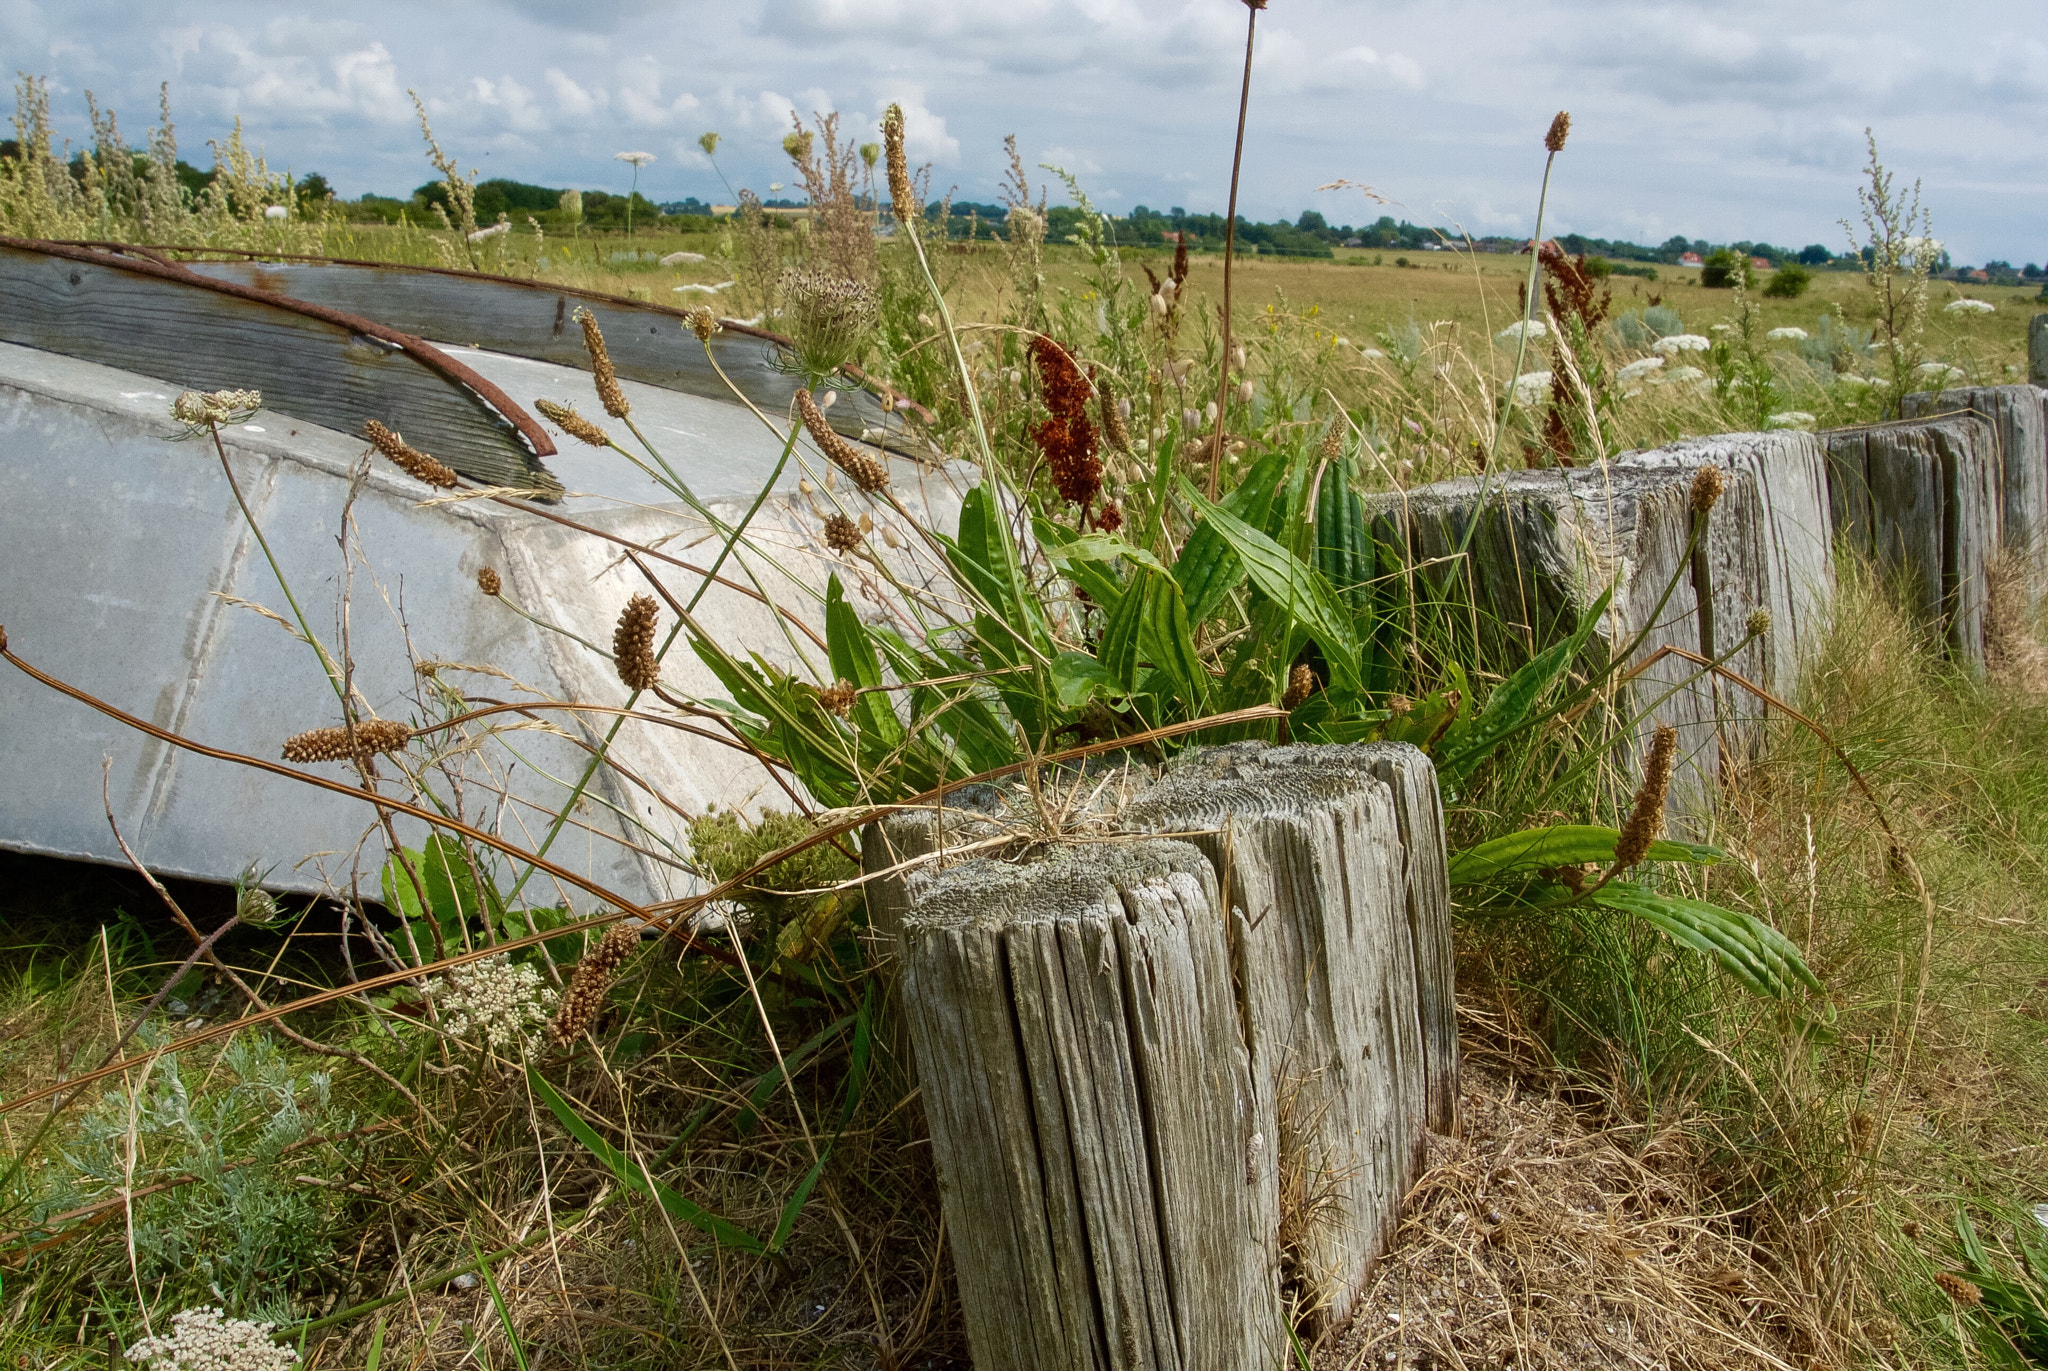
(488, 581)
(1560, 129)
(601, 373)
(1646, 815)
(633, 644)
(565, 418)
(407, 458)
(842, 534)
(867, 472)
(332, 745)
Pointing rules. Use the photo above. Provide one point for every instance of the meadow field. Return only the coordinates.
(542, 1142)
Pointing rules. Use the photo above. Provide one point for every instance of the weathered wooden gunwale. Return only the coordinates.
(310, 361)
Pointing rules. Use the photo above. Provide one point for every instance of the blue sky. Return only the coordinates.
(1741, 120)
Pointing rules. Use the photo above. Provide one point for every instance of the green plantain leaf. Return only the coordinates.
(1509, 706)
(1761, 958)
(1288, 582)
(853, 659)
(1564, 845)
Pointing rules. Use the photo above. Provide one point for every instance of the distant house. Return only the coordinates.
(1760, 263)
(1354, 242)
(720, 211)
(1980, 276)
(1689, 259)
(1170, 236)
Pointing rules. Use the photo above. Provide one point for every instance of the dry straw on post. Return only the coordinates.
(601, 373)
(332, 744)
(409, 459)
(633, 644)
(565, 418)
(867, 473)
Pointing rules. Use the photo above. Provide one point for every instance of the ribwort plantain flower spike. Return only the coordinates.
(902, 190)
(1560, 129)
(332, 745)
(601, 373)
(871, 475)
(488, 581)
(407, 458)
(1707, 485)
(1646, 815)
(704, 323)
(842, 534)
(592, 980)
(1301, 683)
(837, 699)
(565, 418)
(633, 644)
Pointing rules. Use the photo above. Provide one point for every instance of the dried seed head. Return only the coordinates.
(889, 536)
(842, 534)
(902, 190)
(1397, 705)
(1301, 683)
(838, 698)
(411, 460)
(829, 318)
(601, 372)
(1332, 446)
(583, 1001)
(1707, 484)
(1113, 426)
(1646, 815)
(488, 582)
(1560, 128)
(202, 407)
(867, 473)
(704, 323)
(1958, 1289)
(565, 418)
(1759, 622)
(331, 744)
(633, 644)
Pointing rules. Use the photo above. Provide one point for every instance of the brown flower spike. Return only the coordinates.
(1560, 128)
(583, 1001)
(633, 644)
(1646, 815)
(1066, 436)
(488, 581)
(867, 473)
(565, 418)
(1301, 683)
(838, 698)
(1707, 485)
(407, 458)
(601, 372)
(902, 190)
(704, 323)
(331, 744)
(1958, 1289)
(842, 534)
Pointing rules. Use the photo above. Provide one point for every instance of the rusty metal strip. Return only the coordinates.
(681, 316)
(146, 262)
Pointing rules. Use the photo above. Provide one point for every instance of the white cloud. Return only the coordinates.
(571, 98)
(520, 113)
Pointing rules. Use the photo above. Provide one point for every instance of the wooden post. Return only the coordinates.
(1092, 1113)
(1178, 1089)
(1921, 498)
(2037, 350)
(2019, 426)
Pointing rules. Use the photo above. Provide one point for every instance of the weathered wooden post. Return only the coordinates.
(1921, 498)
(2037, 350)
(1178, 1085)
(2019, 425)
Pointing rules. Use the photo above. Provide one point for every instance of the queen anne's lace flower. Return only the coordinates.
(1787, 334)
(207, 1340)
(1531, 386)
(1641, 367)
(1681, 342)
(1969, 307)
(494, 1003)
(199, 408)
(1535, 327)
(1792, 418)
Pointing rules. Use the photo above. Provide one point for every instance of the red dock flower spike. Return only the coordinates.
(1067, 437)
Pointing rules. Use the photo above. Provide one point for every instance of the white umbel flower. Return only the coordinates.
(1641, 367)
(207, 1340)
(1786, 335)
(1680, 342)
(1939, 373)
(1536, 328)
(1532, 386)
(199, 408)
(494, 1003)
(1969, 307)
(1791, 418)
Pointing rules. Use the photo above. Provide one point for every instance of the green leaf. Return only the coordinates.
(1764, 960)
(1285, 580)
(1098, 547)
(1564, 845)
(1167, 640)
(853, 659)
(634, 1179)
(1078, 678)
(1119, 651)
(1208, 570)
(498, 1301)
(1509, 706)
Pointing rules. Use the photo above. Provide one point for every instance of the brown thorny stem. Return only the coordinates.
(667, 917)
(1244, 99)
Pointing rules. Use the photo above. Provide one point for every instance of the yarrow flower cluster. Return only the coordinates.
(494, 1003)
(1969, 307)
(1535, 328)
(1532, 386)
(1638, 369)
(1792, 418)
(206, 1339)
(1786, 335)
(1681, 342)
(199, 408)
